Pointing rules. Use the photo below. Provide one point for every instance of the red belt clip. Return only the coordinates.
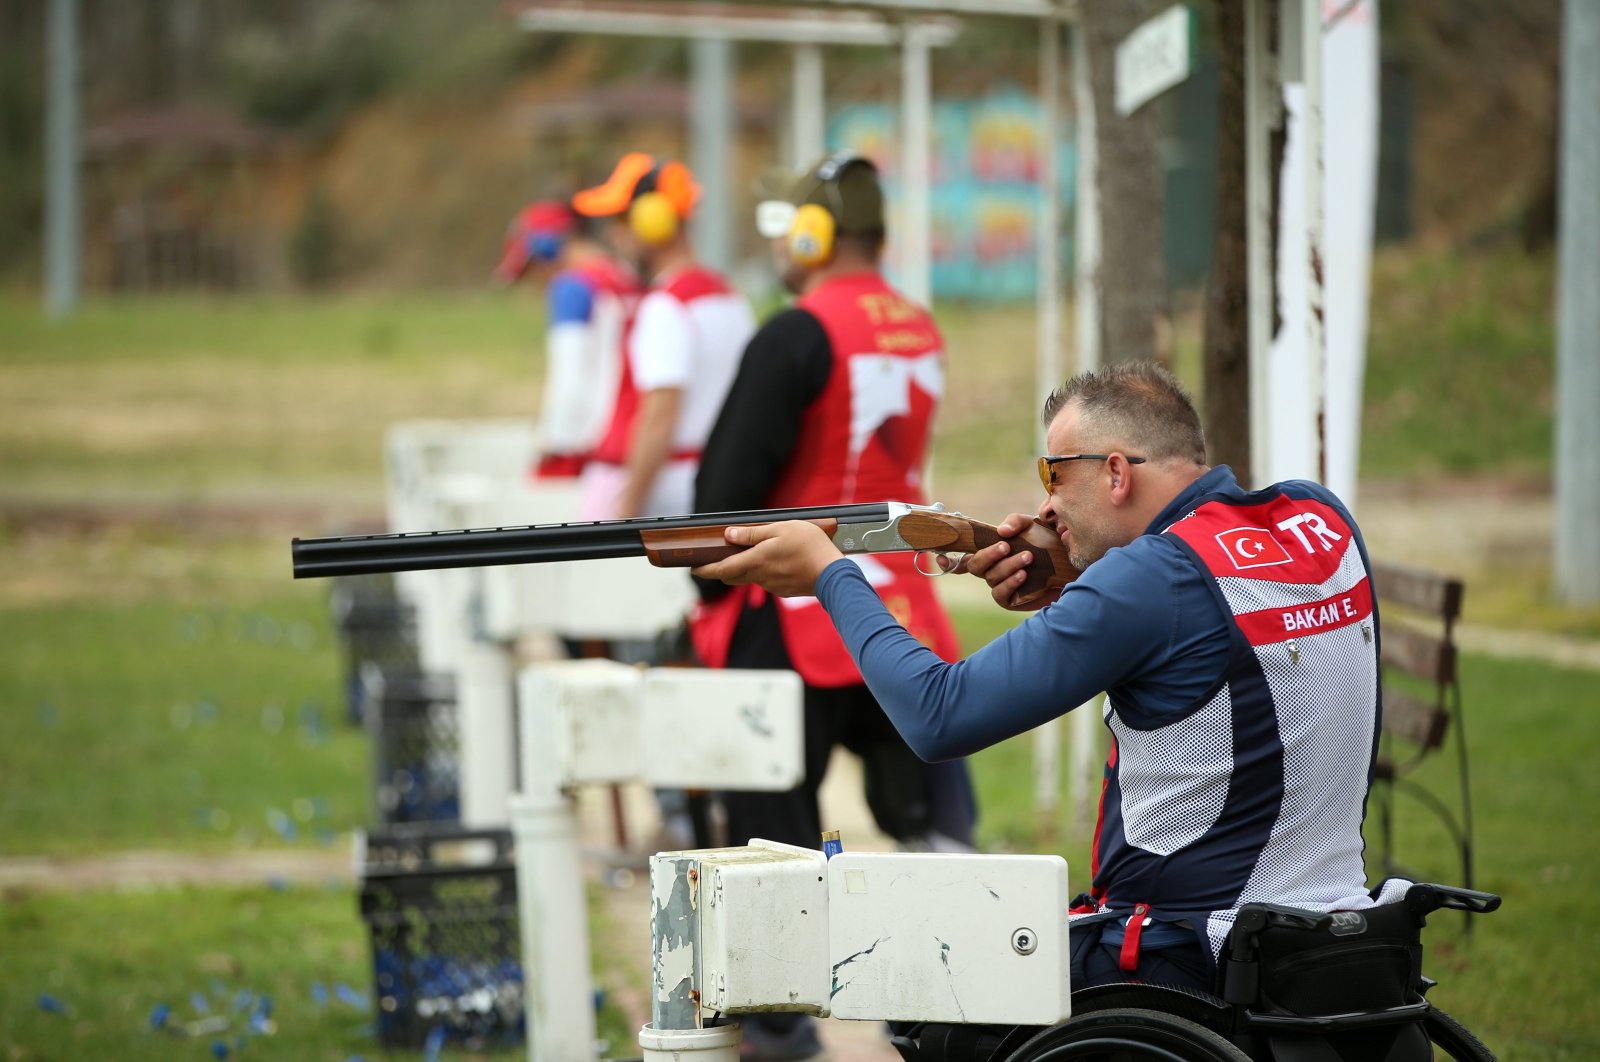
(1128, 961)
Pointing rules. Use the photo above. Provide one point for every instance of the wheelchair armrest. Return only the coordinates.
(1254, 917)
(1328, 1023)
(1425, 899)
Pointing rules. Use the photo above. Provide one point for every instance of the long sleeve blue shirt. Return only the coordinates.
(1142, 621)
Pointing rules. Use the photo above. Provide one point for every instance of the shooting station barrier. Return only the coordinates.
(526, 738)
(864, 936)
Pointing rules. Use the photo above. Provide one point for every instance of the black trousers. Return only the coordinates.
(907, 797)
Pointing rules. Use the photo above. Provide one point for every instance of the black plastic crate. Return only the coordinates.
(441, 906)
(416, 745)
(375, 629)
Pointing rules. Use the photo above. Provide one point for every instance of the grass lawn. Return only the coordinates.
(85, 972)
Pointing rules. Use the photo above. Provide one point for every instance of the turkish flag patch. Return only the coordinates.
(1252, 547)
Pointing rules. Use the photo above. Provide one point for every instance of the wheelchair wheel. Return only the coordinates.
(1126, 1035)
(1447, 1035)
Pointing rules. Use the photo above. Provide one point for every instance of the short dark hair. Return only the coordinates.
(867, 244)
(1134, 404)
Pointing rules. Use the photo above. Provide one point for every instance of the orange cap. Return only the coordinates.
(635, 174)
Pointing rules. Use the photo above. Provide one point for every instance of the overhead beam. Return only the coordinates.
(986, 8)
(785, 25)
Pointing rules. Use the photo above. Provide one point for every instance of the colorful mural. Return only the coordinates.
(986, 158)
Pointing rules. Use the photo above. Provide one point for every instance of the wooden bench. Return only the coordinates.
(1418, 611)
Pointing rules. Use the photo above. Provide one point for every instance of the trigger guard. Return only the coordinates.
(916, 562)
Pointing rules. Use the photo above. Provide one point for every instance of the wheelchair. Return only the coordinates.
(1292, 986)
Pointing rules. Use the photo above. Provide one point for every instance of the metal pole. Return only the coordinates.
(1049, 232)
(1577, 532)
(1047, 361)
(711, 119)
(809, 107)
(916, 271)
(1262, 102)
(63, 224)
(1086, 251)
(1083, 739)
(1316, 360)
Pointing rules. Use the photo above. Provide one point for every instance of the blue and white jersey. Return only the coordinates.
(1258, 792)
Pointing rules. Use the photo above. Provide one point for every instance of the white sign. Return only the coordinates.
(1154, 57)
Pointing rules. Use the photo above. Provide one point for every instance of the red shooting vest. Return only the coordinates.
(864, 439)
(686, 285)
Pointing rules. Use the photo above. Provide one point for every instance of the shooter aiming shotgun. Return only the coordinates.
(684, 542)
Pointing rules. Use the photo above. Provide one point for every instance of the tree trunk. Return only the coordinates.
(1227, 325)
(1134, 311)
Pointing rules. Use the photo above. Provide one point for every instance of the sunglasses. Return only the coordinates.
(1047, 466)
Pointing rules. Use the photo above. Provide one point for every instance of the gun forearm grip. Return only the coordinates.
(690, 547)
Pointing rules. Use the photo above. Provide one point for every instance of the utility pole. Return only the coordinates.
(1577, 533)
(63, 224)
(711, 127)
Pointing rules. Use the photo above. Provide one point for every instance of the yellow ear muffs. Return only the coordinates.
(811, 235)
(653, 218)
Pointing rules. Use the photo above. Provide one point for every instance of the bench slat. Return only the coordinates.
(1426, 592)
(1416, 719)
(1419, 653)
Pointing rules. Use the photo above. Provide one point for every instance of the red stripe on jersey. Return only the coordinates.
(1285, 540)
(1271, 625)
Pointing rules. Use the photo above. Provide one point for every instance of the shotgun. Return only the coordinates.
(684, 542)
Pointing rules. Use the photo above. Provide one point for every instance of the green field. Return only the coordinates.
(165, 686)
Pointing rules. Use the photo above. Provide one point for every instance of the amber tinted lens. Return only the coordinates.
(1047, 474)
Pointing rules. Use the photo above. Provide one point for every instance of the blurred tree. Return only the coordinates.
(1227, 322)
(314, 244)
(1134, 305)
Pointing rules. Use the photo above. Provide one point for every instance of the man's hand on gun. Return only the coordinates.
(1004, 567)
(784, 558)
(787, 559)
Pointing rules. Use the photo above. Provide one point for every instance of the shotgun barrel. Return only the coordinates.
(537, 543)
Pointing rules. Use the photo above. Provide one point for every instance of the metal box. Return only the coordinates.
(948, 938)
(763, 929)
(727, 729)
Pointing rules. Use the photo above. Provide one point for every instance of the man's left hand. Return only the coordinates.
(784, 558)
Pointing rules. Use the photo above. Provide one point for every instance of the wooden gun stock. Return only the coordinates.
(1047, 574)
(920, 531)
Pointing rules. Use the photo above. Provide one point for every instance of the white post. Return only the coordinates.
(809, 107)
(1577, 532)
(485, 710)
(550, 897)
(63, 228)
(1262, 102)
(916, 271)
(711, 119)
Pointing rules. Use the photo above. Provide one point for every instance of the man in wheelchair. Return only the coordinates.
(1235, 634)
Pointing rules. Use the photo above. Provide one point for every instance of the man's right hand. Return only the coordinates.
(1004, 567)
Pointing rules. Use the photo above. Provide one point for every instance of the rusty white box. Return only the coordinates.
(726, 729)
(948, 938)
(763, 929)
(580, 722)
